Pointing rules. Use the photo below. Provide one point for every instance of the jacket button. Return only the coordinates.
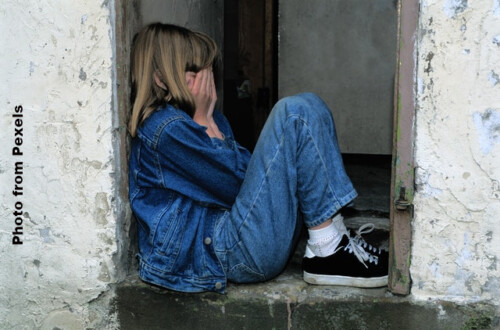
(218, 285)
(207, 241)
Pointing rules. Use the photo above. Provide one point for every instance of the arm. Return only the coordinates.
(191, 165)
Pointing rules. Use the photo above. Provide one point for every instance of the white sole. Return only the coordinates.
(360, 282)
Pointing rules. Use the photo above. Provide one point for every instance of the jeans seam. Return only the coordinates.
(254, 202)
(335, 202)
(217, 229)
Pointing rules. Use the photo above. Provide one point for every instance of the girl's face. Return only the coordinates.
(190, 77)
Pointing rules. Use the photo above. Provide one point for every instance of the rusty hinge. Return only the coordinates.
(402, 203)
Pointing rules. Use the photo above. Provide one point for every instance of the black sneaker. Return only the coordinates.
(354, 263)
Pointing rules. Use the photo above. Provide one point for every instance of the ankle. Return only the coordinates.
(321, 226)
(323, 241)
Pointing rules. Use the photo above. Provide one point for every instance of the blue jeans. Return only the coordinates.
(295, 176)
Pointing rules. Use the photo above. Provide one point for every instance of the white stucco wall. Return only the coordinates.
(57, 62)
(456, 229)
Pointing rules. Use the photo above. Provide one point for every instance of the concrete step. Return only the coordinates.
(289, 303)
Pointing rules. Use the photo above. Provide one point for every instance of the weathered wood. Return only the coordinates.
(402, 185)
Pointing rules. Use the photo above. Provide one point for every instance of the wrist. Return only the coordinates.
(216, 131)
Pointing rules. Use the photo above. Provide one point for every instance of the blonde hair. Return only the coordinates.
(167, 51)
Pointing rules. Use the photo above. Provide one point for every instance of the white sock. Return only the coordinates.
(323, 242)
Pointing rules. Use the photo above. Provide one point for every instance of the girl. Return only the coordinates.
(208, 211)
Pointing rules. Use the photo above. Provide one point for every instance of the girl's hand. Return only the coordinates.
(203, 91)
(202, 87)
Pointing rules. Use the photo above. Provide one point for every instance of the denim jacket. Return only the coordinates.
(180, 182)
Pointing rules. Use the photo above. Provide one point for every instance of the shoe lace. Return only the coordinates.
(357, 246)
(358, 239)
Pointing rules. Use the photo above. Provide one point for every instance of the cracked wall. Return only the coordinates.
(57, 62)
(456, 231)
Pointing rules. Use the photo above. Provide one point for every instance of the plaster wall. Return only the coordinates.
(199, 15)
(57, 62)
(456, 228)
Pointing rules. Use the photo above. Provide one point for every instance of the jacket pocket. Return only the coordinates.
(167, 241)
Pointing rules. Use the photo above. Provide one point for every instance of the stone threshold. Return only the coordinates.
(287, 302)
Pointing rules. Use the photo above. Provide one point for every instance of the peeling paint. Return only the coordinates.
(434, 268)
(495, 189)
(462, 276)
(83, 75)
(496, 7)
(496, 40)
(489, 236)
(493, 78)
(457, 197)
(101, 208)
(488, 129)
(50, 54)
(72, 227)
(452, 8)
(45, 235)
(428, 59)
(104, 273)
(424, 184)
(420, 86)
(32, 67)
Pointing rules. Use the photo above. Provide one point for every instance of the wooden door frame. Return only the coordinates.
(403, 176)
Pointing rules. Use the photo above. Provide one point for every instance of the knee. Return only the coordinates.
(306, 98)
(305, 105)
(309, 97)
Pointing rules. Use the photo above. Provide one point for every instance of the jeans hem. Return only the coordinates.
(332, 210)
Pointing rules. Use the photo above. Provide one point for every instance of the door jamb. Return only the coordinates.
(402, 180)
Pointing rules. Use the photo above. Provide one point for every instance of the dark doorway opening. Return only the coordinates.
(254, 24)
(251, 87)
(250, 65)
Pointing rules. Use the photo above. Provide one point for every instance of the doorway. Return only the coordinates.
(257, 61)
(350, 53)
(345, 51)
(250, 65)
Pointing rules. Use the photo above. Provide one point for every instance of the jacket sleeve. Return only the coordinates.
(193, 165)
